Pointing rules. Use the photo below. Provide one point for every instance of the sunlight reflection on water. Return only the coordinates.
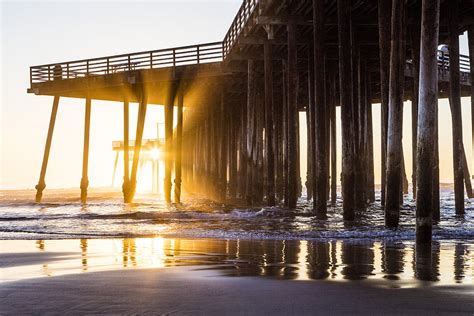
(390, 264)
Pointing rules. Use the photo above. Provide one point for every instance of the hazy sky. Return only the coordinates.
(40, 32)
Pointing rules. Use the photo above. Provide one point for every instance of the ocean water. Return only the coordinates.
(62, 236)
(62, 216)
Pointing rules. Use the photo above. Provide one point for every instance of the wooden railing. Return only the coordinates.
(245, 12)
(443, 68)
(443, 62)
(179, 56)
(173, 57)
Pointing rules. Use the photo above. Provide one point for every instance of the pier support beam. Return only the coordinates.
(280, 107)
(320, 176)
(427, 120)
(292, 118)
(115, 167)
(85, 153)
(126, 152)
(370, 145)
(310, 124)
(470, 34)
(384, 14)
(395, 123)
(333, 141)
(178, 150)
(455, 104)
(138, 145)
(347, 110)
(415, 56)
(269, 109)
(223, 137)
(41, 183)
(249, 131)
(168, 145)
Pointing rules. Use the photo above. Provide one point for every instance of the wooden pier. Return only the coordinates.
(239, 136)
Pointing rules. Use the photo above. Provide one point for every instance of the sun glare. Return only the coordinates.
(155, 153)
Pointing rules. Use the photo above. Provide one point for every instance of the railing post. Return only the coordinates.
(31, 76)
(67, 70)
(87, 68)
(198, 54)
(174, 58)
(151, 60)
(108, 64)
(129, 68)
(49, 73)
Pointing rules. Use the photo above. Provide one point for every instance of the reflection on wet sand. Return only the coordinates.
(393, 263)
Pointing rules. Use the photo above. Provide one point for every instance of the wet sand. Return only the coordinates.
(164, 276)
(185, 290)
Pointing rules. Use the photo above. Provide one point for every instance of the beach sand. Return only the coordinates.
(61, 282)
(184, 290)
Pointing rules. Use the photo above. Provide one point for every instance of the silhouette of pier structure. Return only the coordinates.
(239, 137)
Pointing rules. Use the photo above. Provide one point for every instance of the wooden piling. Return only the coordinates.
(142, 107)
(292, 156)
(310, 124)
(285, 109)
(223, 136)
(269, 131)
(357, 136)
(85, 153)
(467, 176)
(41, 183)
(455, 105)
(435, 200)
(232, 152)
(258, 158)
(370, 145)
(427, 119)
(345, 88)
(115, 168)
(280, 106)
(362, 141)
(126, 152)
(333, 141)
(243, 160)
(250, 130)
(470, 34)
(178, 150)
(415, 57)
(168, 145)
(320, 175)
(395, 123)
(384, 17)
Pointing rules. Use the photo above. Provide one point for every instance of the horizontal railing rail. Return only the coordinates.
(443, 62)
(118, 145)
(443, 67)
(243, 15)
(172, 57)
